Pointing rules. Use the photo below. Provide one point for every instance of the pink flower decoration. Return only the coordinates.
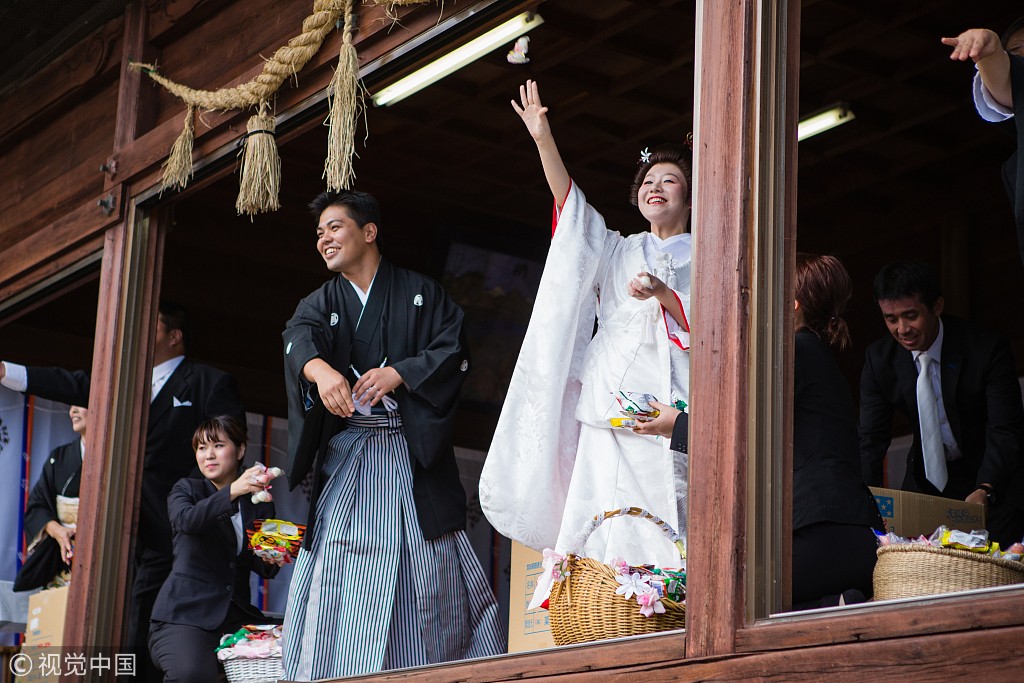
(558, 564)
(650, 603)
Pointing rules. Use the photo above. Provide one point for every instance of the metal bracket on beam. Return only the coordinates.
(106, 204)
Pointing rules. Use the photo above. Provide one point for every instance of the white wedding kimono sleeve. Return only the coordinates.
(525, 479)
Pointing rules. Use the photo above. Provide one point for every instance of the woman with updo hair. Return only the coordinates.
(834, 513)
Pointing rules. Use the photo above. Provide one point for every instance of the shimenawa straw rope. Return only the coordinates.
(261, 166)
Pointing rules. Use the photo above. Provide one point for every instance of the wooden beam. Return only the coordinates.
(136, 106)
(47, 268)
(942, 657)
(881, 621)
(56, 169)
(60, 85)
(57, 240)
(217, 129)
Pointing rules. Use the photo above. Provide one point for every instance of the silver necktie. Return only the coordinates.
(931, 439)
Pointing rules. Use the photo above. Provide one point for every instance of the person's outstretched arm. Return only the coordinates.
(534, 115)
(984, 47)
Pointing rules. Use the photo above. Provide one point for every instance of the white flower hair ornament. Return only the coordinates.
(645, 155)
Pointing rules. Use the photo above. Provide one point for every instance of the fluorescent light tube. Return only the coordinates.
(819, 123)
(458, 58)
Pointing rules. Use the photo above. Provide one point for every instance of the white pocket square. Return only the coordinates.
(179, 404)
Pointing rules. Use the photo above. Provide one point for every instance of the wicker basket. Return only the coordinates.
(584, 606)
(908, 571)
(253, 670)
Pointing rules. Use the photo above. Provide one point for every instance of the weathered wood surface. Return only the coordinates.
(47, 175)
(61, 85)
(942, 657)
(96, 476)
(53, 161)
(118, 412)
(719, 363)
(791, 157)
(136, 105)
(216, 129)
(51, 247)
(880, 622)
(40, 271)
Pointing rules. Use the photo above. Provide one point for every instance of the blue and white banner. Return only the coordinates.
(13, 412)
(29, 429)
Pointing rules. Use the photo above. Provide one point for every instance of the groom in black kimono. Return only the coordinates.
(406, 343)
(387, 343)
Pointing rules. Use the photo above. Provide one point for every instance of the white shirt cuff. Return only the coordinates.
(987, 107)
(15, 377)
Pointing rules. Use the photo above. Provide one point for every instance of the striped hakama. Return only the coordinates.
(373, 594)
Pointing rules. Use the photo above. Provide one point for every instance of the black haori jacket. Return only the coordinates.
(411, 322)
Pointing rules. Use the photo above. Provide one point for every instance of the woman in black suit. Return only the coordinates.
(207, 593)
(834, 513)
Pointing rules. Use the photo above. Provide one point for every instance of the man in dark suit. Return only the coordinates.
(957, 384)
(184, 395)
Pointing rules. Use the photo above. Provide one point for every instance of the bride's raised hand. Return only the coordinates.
(531, 111)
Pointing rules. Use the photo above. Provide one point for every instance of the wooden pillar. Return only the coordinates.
(721, 278)
(118, 404)
(118, 401)
(741, 346)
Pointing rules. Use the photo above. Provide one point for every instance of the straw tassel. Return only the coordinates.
(261, 166)
(346, 102)
(178, 167)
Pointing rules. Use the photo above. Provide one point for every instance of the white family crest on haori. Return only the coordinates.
(334, 319)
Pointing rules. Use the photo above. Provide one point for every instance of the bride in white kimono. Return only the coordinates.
(555, 461)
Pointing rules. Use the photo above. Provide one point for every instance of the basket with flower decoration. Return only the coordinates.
(252, 654)
(591, 600)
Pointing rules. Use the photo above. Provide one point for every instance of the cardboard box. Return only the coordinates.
(915, 514)
(45, 625)
(527, 629)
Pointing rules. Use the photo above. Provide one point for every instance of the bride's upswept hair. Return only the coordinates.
(668, 153)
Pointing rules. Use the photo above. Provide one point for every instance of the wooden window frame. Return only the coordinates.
(744, 188)
(774, 29)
